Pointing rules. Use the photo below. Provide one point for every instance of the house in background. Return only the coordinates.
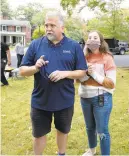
(13, 31)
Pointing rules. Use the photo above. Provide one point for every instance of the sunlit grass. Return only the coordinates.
(16, 126)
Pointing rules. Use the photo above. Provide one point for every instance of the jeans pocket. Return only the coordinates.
(108, 99)
(107, 96)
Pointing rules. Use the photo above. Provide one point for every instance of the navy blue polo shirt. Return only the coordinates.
(67, 55)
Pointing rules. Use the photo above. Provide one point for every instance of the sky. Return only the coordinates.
(85, 14)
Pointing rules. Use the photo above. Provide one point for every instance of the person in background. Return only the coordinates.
(55, 61)
(5, 59)
(96, 91)
(19, 49)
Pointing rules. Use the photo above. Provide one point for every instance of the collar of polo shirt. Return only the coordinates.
(58, 44)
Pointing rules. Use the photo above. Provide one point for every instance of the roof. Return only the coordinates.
(15, 23)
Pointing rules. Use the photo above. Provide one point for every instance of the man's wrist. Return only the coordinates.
(36, 69)
(67, 74)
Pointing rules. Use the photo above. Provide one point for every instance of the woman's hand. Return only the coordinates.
(90, 69)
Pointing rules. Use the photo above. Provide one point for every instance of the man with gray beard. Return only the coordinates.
(55, 61)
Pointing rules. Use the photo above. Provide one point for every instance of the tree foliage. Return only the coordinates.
(111, 28)
(38, 19)
(5, 9)
(26, 12)
(38, 32)
(114, 22)
(75, 28)
(110, 20)
(69, 5)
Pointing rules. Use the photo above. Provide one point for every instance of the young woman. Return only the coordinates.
(96, 91)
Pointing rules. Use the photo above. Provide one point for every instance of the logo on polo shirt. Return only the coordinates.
(67, 51)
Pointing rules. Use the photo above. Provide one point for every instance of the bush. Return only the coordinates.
(38, 32)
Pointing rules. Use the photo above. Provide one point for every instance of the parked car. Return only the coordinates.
(117, 46)
(124, 44)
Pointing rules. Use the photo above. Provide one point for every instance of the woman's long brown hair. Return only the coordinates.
(103, 47)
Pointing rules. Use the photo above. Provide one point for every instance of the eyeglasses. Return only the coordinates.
(51, 26)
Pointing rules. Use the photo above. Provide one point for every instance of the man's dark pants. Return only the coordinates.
(3, 78)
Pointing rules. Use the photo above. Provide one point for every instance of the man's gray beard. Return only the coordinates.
(51, 37)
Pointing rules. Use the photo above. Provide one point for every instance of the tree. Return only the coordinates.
(109, 20)
(115, 20)
(111, 28)
(38, 32)
(114, 16)
(68, 5)
(37, 21)
(75, 28)
(5, 9)
(27, 12)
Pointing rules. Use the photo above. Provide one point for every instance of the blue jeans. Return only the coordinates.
(96, 120)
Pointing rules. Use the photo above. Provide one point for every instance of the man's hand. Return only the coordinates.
(58, 75)
(40, 62)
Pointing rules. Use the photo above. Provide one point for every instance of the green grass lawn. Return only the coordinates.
(127, 53)
(16, 135)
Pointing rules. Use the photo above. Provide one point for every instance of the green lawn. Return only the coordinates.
(127, 53)
(16, 136)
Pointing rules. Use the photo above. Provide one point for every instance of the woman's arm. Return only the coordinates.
(108, 81)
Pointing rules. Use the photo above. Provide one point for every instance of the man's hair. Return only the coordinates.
(55, 14)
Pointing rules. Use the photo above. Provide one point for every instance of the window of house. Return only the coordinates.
(4, 28)
(23, 29)
(10, 28)
(18, 28)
